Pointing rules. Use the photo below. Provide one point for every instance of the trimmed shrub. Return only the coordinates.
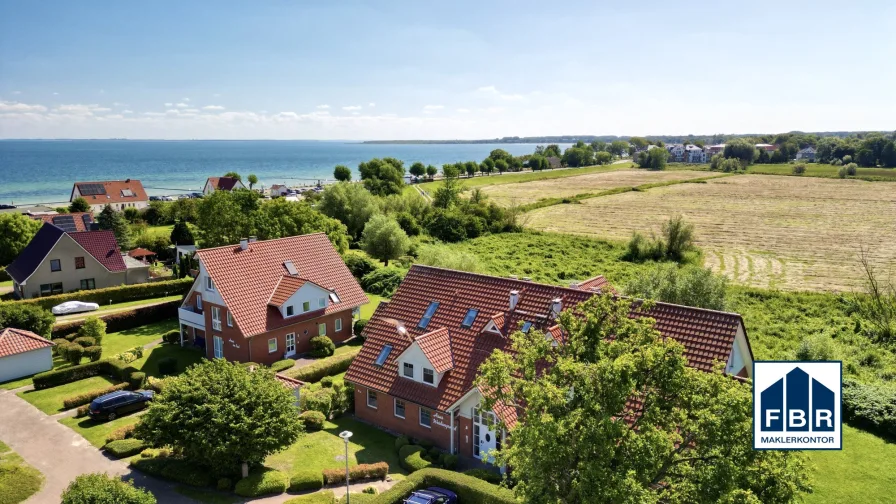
(484, 475)
(174, 469)
(125, 447)
(306, 479)
(324, 497)
(425, 443)
(224, 484)
(434, 454)
(102, 488)
(313, 420)
(871, 407)
(120, 369)
(448, 461)
(326, 382)
(156, 384)
(799, 169)
(384, 281)
(78, 400)
(325, 367)
(123, 321)
(167, 366)
(359, 263)
(27, 317)
(125, 432)
(851, 169)
(94, 353)
(136, 380)
(468, 488)
(82, 411)
(359, 326)
(53, 378)
(119, 294)
(411, 458)
(282, 365)
(356, 473)
(358, 498)
(73, 354)
(172, 337)
(344, 398)
(319, 400)
(131, 355)
(263, 482)
(401, 441)
(93, 327)
(85, 341)
(322, 346)
(370, 490)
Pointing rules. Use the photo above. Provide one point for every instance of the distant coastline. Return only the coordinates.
(571, 139)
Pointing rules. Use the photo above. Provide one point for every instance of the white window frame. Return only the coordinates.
(420, 417)
(322, 329)
(433, 373)
(287, 349)
(403, 408)
(337, 325)
(272, 350)
(322, 302)
(306, 304)
(57, 261)
(219, 346)
(404, 370)
(369, 392)
(209, 284)
(216, 318)
(199, 301)
(290, 311)
(229, 319)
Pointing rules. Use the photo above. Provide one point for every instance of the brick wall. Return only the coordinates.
(384, 416)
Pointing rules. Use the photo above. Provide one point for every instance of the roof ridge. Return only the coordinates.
(256, 242)
(495, 277)
(694, 308)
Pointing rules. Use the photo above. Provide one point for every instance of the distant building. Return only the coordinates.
(213, 184)
(712, 150)
(807, 154)
(119, 194)
(554, 162)
(676, 153)
(694, 154)
(279, 190)
(767, 147)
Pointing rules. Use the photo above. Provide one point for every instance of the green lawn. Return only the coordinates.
(160, 230)
(864, 471)
(368, 309)
(118, 306)
(324, 449)
(96, 432)
(6, 283)
(510, 178)
(207, 496)
(50, 400)
(18, 480)
(824, 170)
(185, 356)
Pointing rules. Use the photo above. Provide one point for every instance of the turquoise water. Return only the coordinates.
(44, 171)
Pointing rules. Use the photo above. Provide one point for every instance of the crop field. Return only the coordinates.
(765, 231)
(529, 192)
(511, 178)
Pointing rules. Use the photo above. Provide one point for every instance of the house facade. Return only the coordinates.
(23, 353)
(416, 371)
(119, 194)
(694, 154)
(807, 154)
(213, 184)
(55, 262)
(263, 301)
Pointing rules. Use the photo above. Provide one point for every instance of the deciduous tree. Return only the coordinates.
(431, 171)
(16, 231)
(627, 420)
(351, 204)
(384, 239)
(79, 204)
(382, 176)
(114, 221)
(233, 174)
(252, 180)
(418, 169)
(280, 218)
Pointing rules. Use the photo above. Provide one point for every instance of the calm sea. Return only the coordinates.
(43, 171)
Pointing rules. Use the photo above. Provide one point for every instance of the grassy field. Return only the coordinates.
(368, 309)
(777, 232)
(18, 480)
(50, 400)
(522, 193)
(512, 178)
(825, 171)
(96, 432)
(864, 471)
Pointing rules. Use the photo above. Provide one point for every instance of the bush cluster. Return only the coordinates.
(383, 281)
(468, 488)
(359, 263)
(224, 484)
(125, 447)
(119, 294)
(325, 367)
(125, 432)
(320, 400)
(282, 365)
(411, 458)
(175, 469)
(27, 317)
(84, 341)
(172, 337)
(798, 169)
(871, 407)
(306, 479)
(168, 366)
(130, 355)
(356, 473)
(102, 488)
(122, 321)
(675, 242)
(313, 420)
(87, 397)
(690, 285)
(136, 380)
(322, 346)
(263, 482)
(359, 326)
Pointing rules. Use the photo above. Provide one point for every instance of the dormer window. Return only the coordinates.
(470, 318)
(526, 326)
(306, 306)
(290, 310)
(428, 376)
(430, 311)
(322, 302)
(408, 370)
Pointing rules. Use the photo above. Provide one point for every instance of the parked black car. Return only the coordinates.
(432, 495)
(116, 404)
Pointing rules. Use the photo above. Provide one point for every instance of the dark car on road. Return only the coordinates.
(116, 404)
(432, 495)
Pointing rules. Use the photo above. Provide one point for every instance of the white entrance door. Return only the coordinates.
(290, 344)
(484, 439)
(219, 347)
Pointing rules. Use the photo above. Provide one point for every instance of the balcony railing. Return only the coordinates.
(190, 315)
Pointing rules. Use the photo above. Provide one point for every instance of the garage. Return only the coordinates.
(23, 353)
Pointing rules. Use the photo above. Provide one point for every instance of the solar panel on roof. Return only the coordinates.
(91, 189)
(65, 222)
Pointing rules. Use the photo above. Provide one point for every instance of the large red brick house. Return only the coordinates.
(262, 301)
(415, 373)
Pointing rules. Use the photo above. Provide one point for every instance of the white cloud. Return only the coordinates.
(113, 116)
(154, 114)
(429, 109)
(169, 105)
(17, 92)
(191, 110)
(6, 106)
(352, 107)
(322, 107)
(127, 111)
(119, 104)
(463, 110)
(213, 107)
(78, 109)
(493, 91)
(184, 99)
(181, 105)
(371, 104)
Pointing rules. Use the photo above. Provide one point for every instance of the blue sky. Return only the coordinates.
(410, 70)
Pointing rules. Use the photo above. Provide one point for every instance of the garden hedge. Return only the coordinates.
(119, 294)
(174, 469)
(264, 481)
(282, 365)
(135, 381)
(123, 321)
(326, 367)
(85, 398)
(324, 497)
(125, 447)
(85, 341)
(306, 479)
(358, 498)
(411, 458)
(53, 378)
(469, 490)
(401, 441)
(870, 407)
(484, 475)
(313, 420)
(125, 432)
(357, 473)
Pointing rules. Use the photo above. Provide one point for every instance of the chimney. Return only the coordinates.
(514, 299)
(128, 181)
(556, 307)
(244, 243)
(252, 239)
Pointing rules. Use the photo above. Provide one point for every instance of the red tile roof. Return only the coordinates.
(77, 217)
(706, 335)
(223, 183)
(246, 279)
(16, 341)
(290, 383)
(113, 191)
(286, 287)
(436, 347)
(596, 284)
(103, 247)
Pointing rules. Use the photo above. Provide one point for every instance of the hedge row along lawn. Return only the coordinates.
(18, 480)
(120, 294)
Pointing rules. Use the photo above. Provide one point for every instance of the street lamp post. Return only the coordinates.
(345, 435)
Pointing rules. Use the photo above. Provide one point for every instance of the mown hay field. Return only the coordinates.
(767, 231)
(529, 192)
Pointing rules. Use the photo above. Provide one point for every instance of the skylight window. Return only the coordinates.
(384, 354)
(430, 311)
(333, 297)
(470, 318)
(526, 326)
